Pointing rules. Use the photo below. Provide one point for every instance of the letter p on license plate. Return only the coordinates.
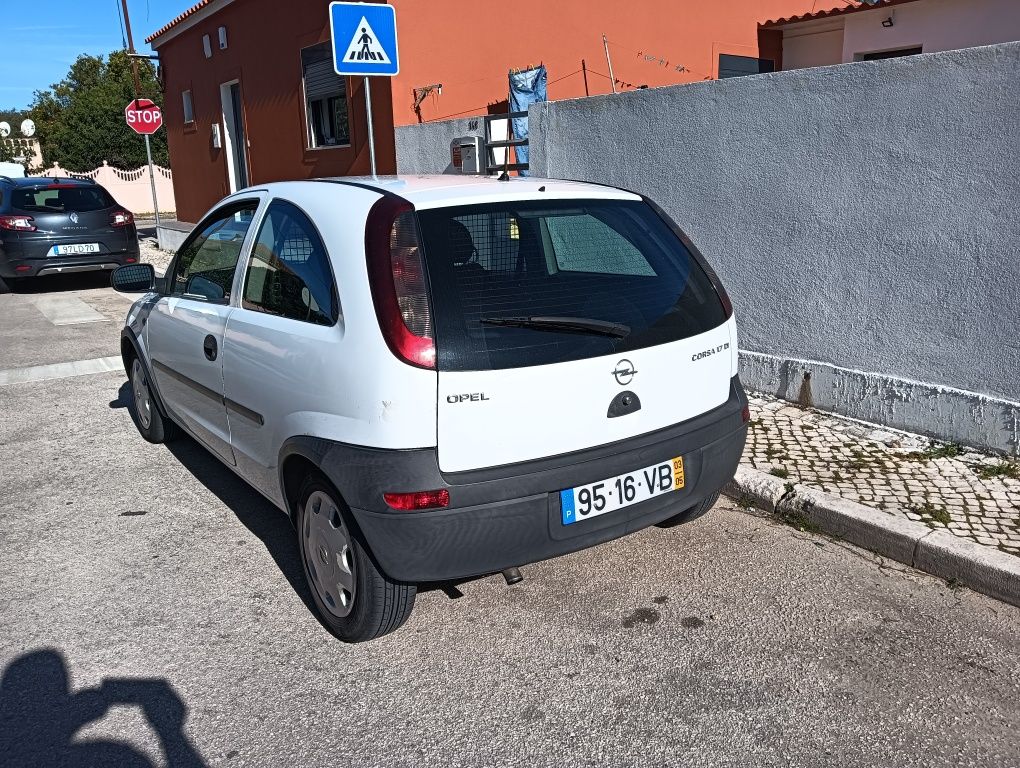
(594, 499)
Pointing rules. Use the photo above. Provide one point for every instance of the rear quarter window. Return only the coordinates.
(611, 261)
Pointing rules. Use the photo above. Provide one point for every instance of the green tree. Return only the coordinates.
(80, 120)
(9, 148)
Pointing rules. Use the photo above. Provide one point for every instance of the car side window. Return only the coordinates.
(205, 265)
(289, 274)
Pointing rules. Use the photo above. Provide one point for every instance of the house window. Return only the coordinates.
(739, 66)
(325, 99)
(887, 54)
(189, 108)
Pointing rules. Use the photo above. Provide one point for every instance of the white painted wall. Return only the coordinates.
(813, 46)
(935, 25)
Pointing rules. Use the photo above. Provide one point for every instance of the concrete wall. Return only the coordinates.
(132, 189)
(425, 148)
(865, 217)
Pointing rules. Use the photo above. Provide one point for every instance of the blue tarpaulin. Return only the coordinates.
(526, 87)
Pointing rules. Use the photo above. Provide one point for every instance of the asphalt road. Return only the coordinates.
(152, 612)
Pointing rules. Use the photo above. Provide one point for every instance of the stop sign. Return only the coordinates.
(143, 116)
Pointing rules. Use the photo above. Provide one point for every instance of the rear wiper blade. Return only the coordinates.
(568, 324)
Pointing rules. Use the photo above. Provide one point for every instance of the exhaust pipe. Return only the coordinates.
(512, 576)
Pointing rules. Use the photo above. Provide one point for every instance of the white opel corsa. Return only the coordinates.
(442, 377)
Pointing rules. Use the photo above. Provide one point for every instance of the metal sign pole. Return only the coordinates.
(368, 113)
(152, 181)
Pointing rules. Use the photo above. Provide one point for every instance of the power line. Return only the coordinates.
(123, 36)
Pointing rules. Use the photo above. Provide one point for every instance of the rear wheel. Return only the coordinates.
(7, 284)
(153, 426)
(356, 601)
(691, 513)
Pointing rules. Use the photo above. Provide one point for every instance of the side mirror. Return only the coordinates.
(134, 278)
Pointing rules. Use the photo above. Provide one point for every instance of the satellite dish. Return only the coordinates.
(5, 130)
(27, 128)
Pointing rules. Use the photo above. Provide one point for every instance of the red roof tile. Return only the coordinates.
(853, 6)
(178, 19)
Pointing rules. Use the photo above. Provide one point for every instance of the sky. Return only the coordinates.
(40, 40)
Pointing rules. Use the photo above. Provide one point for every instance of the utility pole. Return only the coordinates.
(609, 61)
(138, 93)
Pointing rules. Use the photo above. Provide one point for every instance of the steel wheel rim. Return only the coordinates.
(329, 559)
(143, 403)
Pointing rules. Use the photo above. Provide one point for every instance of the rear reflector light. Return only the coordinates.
(745, 415)
(17, 223)
(120, 219)
(23, 268)
(399, 287)
(418, 500)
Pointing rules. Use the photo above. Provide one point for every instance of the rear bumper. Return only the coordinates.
(511, 516)
(29, 259)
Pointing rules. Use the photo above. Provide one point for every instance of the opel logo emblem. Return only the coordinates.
(74, 217)
(624, 372)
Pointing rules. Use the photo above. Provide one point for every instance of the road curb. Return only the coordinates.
(938, 552)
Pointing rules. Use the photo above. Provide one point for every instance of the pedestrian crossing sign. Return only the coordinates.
(364, 38)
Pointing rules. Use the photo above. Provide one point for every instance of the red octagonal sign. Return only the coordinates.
(143, 116)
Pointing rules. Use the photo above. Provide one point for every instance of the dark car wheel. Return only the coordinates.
(153, 425)
(691, 513)
(355, 600)
(7, 284)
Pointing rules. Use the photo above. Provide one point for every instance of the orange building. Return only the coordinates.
(250, 96)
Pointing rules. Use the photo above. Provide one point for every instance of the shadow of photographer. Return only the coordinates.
(40, 716)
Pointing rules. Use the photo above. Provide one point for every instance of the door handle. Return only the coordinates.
(209, 347)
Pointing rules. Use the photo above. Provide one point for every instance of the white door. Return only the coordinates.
(281, 344)
(184, 332)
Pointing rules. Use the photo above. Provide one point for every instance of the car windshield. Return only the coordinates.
(530, 283)
(61, 199)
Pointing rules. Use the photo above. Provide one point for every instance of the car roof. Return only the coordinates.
(36, 181)
(440, 190)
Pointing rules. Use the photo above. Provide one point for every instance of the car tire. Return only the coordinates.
(151, 423)
(7, 285)
(691, 513)
(355, 599)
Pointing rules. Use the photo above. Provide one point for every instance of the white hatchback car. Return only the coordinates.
(442, 377)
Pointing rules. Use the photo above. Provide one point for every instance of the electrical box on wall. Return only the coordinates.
(467, 154)
(216, 141)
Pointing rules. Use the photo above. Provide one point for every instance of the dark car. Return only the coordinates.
(52, 226)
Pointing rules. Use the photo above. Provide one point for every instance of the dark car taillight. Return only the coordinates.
(121, 218)
(396, 272)
(17, 223)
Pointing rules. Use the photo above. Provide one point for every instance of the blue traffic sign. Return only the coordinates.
(364, 38)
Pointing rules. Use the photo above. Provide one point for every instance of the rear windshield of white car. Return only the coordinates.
(60, 199)
(516, 284)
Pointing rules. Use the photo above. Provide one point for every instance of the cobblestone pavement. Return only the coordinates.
(973, 495)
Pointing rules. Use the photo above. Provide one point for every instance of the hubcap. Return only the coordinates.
(143, 403)
(329, 561)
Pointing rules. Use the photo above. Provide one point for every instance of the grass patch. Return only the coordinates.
(931, 512)
(935, 451)
(836, 477)
(1010, 469)
(745, 502)
(781, 472)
